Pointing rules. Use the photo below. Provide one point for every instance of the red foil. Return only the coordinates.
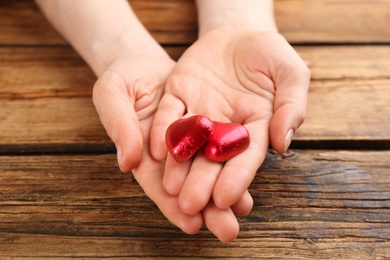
(226, 141)
(186, 136)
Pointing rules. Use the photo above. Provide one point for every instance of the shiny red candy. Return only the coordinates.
(186, 136)
(226, 141)
(219, 141)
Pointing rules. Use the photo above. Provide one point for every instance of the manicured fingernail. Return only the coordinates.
(119, 155)
(287, 140)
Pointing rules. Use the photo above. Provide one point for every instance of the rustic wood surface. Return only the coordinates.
(313, 203)
(301, 21)
(62, 195)
(47, 92)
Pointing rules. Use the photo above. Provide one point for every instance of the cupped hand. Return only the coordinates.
(252, 78)
(127, 93)
(126, 97)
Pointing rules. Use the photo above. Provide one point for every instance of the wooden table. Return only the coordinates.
(62, 195)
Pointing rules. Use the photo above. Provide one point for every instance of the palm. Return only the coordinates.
(126, 94)
(229, 78)
(126, 97)
(233, 79)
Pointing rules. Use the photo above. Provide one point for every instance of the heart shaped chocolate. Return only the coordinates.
(226, 141)
(186, 136)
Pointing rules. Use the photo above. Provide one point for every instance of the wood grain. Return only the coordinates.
(308, 204)
(346, 62)
(46, 99)
(316, 21)
(330, 21)
(62, 195)
(348, 110)
(349, 96)
(46, 104)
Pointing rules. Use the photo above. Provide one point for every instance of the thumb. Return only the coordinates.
(117, 114)
(289, 108)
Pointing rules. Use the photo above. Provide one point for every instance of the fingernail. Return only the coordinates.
(119, 155)
(287, 140)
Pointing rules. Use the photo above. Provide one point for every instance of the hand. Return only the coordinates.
(255, 79)
(126, 94)
(133, 70)
(126, 97)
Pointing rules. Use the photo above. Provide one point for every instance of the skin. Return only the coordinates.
(243, 74)
(246, 76)
(240, 63)
(110, 93)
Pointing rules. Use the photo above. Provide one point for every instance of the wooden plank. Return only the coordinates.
(348, 110)
(308, 204)
(329, 21)
(175, 22)
(46, 104)
(346, 62)
(21, 22)
(45, 99)
(170, 22)
(29, 73)
(349, 96)
(51, 125)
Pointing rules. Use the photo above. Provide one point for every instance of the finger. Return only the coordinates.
(244, 205)
(199, 184)
(175, 174)
(289, 107)
(221, 222)
(149, 176)
(116, 112)
(238, 172)
(169, 110)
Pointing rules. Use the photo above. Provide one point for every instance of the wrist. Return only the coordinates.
(235, 16)
(129, 44)
(122, 35)
(100, 31)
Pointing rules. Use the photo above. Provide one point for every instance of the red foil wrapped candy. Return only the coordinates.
(186, 136)
(226, 141)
